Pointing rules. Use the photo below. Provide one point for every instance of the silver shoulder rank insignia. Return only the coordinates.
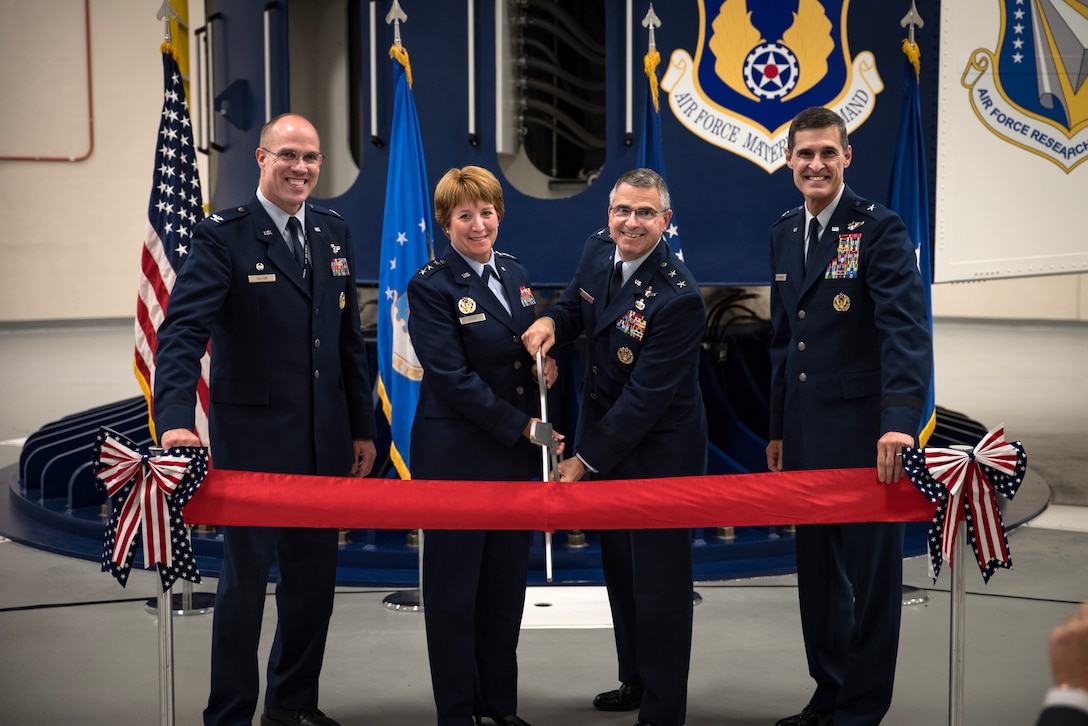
(466, 305)
(625, 355)
(871, 207)
(841, 303)
(672, 273)
(216, 218)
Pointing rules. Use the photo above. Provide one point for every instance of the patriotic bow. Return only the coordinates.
(148, 492)
(963, 484)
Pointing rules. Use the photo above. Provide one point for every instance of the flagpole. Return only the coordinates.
(165, 613)
(405, 249)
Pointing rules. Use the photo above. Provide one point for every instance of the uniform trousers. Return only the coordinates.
(304, 598)
(647, 573)
(850, 587)
(473, 599)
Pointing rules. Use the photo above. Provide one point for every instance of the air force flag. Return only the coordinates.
(405, 248)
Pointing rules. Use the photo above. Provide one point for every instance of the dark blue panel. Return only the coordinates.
(726, 203)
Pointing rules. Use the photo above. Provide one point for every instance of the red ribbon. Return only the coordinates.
(743, 500)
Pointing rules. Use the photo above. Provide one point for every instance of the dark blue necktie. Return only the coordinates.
(500, 293)
(813, 240)
(616, 282)
(297, 245)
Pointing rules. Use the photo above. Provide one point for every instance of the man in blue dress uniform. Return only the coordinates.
(270, 284)
(851, 358)
(641, 417)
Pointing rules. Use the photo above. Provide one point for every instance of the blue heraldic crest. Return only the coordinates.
(758, 64)
(1031, 91)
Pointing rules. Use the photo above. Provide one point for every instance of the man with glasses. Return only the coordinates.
(641, 417)
(271, 285)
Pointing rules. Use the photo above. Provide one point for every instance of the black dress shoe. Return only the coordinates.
(625, 698)
(505, 721)
(285, 717)
(810, 716)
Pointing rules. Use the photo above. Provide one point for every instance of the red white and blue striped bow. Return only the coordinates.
(963, 484)
(147, 493)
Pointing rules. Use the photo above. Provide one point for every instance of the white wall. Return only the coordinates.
(72, 231)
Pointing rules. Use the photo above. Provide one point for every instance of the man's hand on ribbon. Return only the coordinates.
(889, 456)
(178, 437)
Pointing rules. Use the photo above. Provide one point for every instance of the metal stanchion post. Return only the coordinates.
(166, 658)
(959, 600)
(409, 600)
(958, 593)
(186, 602)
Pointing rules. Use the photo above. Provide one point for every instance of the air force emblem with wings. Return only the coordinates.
(1031, 90)
(758, 64)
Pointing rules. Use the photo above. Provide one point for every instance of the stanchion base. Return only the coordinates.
(201, 603)
(696, 598)
(405, 601)
(914, 596)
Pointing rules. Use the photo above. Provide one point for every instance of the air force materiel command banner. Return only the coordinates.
(757, 65)
(1030, 90)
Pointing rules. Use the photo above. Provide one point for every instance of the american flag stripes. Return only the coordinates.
(174, 208)
(963, 484)
(147, 493)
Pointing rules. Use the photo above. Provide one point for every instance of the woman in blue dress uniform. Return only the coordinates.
(477, 405)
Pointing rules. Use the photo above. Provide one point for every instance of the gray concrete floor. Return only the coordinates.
(76, 648)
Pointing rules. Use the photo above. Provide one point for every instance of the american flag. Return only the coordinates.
(175, 206)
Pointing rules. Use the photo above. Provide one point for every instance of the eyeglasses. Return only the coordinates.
(643, 214)
(311, 158)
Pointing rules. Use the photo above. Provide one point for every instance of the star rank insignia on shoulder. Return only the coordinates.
(430, 266)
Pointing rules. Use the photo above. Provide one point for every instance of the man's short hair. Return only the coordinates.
(817, 117)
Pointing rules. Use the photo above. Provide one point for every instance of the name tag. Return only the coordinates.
(469, 319)
(780, 277)
(271, 277)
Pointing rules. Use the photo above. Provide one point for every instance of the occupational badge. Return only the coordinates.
(343, 300)
(625, 355)
(841, 303)
(260, 266)
(466, 305)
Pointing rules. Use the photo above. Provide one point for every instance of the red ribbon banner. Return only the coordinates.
(823, 496)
